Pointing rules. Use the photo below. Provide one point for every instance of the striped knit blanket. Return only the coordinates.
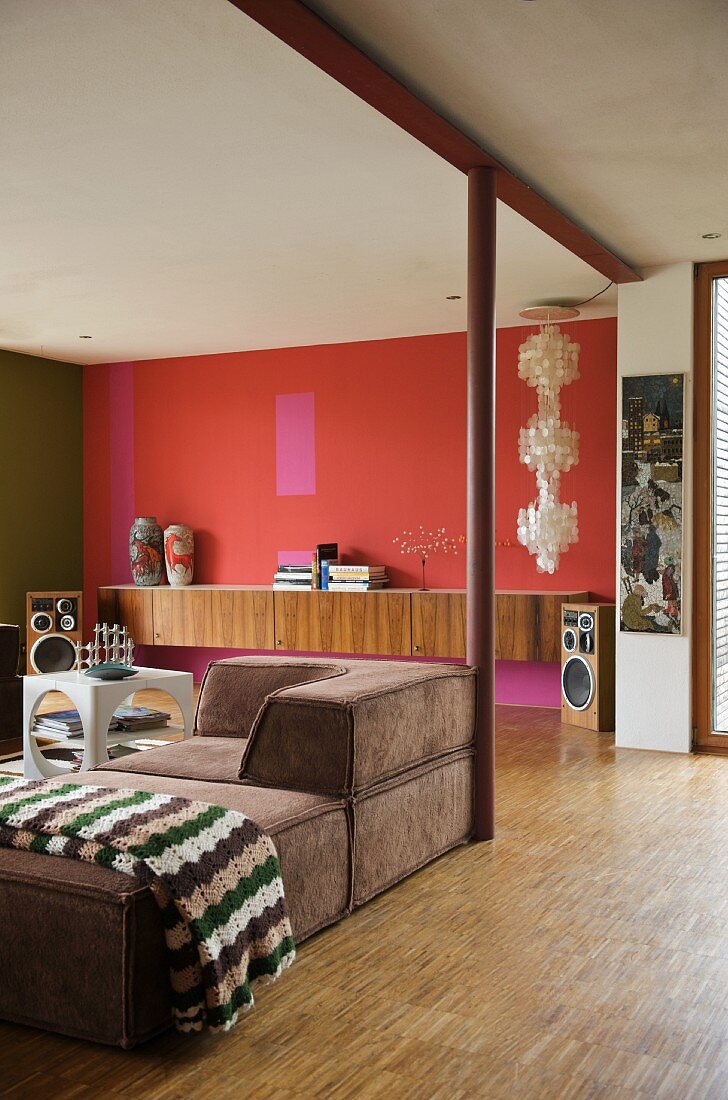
(214, 874)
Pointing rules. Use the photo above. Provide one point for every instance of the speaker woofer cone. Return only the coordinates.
(577, 683)
(53, 653)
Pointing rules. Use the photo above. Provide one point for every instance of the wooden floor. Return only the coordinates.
(583, 954)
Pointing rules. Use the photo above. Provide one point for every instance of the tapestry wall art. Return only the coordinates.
(651, 547)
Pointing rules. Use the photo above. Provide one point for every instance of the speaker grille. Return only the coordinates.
(577, 683)
(53, 653)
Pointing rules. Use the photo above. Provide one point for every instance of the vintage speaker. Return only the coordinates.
(55, 622)
(587, 665)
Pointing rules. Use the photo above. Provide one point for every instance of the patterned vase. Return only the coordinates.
(179, 554)
(146, 551)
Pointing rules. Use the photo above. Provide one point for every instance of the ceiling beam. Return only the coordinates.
(316, 40)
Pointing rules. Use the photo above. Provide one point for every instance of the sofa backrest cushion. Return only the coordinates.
(233, 691)
(345, 733)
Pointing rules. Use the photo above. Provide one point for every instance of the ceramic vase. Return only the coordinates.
(179, 554)
(146, 551)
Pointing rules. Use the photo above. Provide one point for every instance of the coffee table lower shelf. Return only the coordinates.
(96, 701)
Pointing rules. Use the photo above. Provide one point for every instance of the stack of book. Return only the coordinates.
(325, 571)
(133, 719)
(59, 725)
(357, 578)
(291, 577)
(312, 575)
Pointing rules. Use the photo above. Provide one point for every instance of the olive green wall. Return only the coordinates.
(41, 479)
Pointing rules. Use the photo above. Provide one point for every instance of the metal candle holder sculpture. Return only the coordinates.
(114, 641)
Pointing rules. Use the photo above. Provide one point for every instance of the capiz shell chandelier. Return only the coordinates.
(547, 445)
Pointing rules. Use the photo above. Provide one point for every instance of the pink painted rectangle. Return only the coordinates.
(295, 557)
(295, 444)
(121, 467)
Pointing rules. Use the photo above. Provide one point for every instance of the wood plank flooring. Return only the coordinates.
(584, 953)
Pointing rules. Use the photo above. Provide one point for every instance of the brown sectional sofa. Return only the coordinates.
(361, 771)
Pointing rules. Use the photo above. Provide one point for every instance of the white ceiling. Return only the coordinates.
(615, 109)
(175, 181)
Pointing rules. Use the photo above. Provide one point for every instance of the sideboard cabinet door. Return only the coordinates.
(438, 624)
(343, 622)
(225, 618)
(372, 622)
(130, 607)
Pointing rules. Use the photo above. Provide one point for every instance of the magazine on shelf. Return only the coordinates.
(137, 727)
(66, 724)
(51, 733)
(60, 719)
(356, 586)
(370, 570)
(130, 713)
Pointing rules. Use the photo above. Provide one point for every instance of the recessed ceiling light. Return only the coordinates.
(453, 297)
(85, 337)
(711, 236)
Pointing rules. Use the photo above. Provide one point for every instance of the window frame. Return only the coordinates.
(705, 737)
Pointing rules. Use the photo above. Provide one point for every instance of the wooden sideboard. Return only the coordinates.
(400, 622)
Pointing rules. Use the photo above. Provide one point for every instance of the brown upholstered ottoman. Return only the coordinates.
(82, 948)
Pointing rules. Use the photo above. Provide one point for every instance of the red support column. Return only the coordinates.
(480, 578)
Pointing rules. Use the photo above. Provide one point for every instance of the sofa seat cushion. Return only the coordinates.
(273, 809)
(92, 940)
(310, 832)
(210, 759)
(229, 702)
(348, 732)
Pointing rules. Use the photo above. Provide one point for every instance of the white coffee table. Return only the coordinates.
(96, 701)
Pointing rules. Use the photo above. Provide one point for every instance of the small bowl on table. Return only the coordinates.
(110, 670)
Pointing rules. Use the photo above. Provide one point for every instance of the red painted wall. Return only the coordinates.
(390, 454)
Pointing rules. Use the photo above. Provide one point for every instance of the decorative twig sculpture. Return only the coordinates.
(547, 361)
(424, 543)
